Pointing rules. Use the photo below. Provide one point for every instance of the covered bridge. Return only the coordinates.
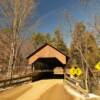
(45, 59)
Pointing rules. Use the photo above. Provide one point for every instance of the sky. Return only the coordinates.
(49, 15)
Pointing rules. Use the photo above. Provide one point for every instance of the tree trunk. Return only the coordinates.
(86, 80)
(11, 60)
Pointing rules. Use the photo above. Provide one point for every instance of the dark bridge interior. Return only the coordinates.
(44, 68)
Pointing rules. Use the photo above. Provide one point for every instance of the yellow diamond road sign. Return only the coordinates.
(98, 66)
(78, 71)
(75, 71)
(72, 71)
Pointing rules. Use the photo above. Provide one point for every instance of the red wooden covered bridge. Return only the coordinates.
(46, 59)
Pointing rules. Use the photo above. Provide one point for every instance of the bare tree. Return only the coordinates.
(96, 24)
(16, 11)
(97, 27)
(5, 39)
(69, 19)
(85, 47)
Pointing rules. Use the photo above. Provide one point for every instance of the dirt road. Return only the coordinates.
(42, 90)
(57, 92)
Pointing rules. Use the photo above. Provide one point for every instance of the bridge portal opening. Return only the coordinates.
(47, 67)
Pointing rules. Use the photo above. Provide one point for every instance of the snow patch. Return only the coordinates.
(93, 96)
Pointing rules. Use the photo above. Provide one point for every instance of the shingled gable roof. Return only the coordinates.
(43, 47)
